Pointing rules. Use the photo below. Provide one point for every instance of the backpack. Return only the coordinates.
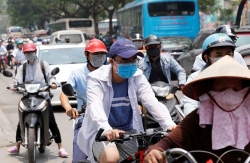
(42, 68)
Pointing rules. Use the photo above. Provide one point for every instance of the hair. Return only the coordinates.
(114, 57)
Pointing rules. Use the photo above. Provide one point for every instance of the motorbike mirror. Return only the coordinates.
(68, 89)
(7, 74)
(55, 71)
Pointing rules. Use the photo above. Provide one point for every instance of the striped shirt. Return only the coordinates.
(121, 114)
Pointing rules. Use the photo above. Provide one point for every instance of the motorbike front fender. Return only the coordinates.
(31, 120)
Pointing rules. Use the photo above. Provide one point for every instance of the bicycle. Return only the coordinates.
(171, 155)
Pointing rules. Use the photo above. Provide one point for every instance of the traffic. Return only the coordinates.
(154, 88)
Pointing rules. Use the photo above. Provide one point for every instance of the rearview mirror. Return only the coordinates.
(7, 74)
(68, 89)
(55, 71)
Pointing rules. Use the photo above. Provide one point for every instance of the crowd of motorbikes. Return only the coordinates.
(33, 113)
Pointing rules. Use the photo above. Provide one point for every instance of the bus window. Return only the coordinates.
(171, 9)
(57, 27)
(15, 29)
(80, 23)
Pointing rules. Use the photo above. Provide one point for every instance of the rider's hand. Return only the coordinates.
(53, 86)
(13, 88)
(113, 134)
(170, 128)
(181, 87)
(72, 113)
(154, 156)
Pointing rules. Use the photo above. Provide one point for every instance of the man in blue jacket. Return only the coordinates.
(157, 66)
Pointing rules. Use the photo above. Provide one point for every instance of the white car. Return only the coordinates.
(66, 57)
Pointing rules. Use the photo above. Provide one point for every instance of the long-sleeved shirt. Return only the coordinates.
(168, 65)
(99, 101)
(189, 136)
(34, 73)
(199, 63)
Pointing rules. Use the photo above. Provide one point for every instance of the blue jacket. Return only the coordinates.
(168, 64)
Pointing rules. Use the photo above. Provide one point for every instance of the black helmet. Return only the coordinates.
(9, 40)
(152, 39)
(137, 36)
(226, 29)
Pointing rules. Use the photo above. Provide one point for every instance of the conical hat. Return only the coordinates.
(226, 67)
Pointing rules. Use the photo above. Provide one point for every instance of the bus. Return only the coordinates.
(103, 26)
(14, 32)
(83, 24)
(159, 17)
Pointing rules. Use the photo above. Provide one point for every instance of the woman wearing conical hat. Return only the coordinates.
(222, 121)
(213, 48)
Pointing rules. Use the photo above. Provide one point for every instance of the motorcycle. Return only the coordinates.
(10, 56)
(165, 93)
(2, 61)
(33, 115)
(69, 91)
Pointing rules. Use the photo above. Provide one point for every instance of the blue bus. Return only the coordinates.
(159, 17)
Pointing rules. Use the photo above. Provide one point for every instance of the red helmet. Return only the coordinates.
(95, 45)
(29, 47)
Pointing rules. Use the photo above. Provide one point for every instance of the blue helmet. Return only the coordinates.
(19, 41)
(216, 40)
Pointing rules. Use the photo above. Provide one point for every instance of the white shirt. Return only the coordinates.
(3, 49)
(199, 63)
(18, 54)
(188, 103)
(99, 99)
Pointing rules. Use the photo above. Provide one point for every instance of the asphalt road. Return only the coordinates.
(9, 120)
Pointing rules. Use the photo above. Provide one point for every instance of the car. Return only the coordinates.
(245, 52)
(175, 45)
(75, 36)
(187, 60)
(66, 57)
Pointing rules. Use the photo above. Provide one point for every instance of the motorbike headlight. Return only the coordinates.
(42, 106)
(161, 92)
(22, 107)
(32, 88)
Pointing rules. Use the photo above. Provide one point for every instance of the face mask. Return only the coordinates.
(138, 45)
(229, 100)
(126, 70)
(98, 60)
(153, 52)
(30, 57)
(215, 59)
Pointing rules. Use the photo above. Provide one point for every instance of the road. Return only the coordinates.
(9, 120)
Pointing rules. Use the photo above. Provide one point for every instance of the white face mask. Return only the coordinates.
(98, 60)
(138, 45)
(215, 59)
(30, 57)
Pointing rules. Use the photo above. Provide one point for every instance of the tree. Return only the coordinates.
(111, 6)
(208, 6)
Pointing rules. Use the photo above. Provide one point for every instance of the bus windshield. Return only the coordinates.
(15, 29)
(80, 23)
(171, 8)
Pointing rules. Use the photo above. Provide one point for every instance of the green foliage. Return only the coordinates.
(226, 15)
(30, 13)
(208, 5)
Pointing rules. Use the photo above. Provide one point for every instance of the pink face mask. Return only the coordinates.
(228, 113)
(228, 100)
